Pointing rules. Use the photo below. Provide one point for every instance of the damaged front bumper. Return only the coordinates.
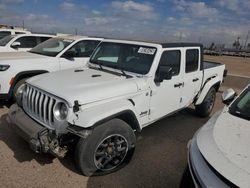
(40, 138)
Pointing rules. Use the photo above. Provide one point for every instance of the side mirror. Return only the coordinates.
(163, 73)
(69, 54)
(228, 96)
(15, 44)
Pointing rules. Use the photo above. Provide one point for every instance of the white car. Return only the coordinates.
(127, 86)
(54, 54)
(219, 153)
(7, 32)
(22, 42)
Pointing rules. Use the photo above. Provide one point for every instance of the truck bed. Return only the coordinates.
(209, 64)
(213, 69)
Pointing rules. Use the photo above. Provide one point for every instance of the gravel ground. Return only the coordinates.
(159, 159)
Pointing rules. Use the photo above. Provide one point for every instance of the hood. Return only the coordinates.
(19, 55)
(85, 85)
(225, 143)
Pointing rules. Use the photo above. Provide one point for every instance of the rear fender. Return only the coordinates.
(215, 82)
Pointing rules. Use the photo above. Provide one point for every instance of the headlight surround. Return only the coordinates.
(4, 67)
(61, 111)
(19, 94)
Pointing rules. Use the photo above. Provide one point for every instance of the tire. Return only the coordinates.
(18, 84)
(206, 107)
(100, 154)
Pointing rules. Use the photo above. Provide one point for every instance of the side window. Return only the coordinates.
(192, 60)
(4, 34)
(17, 33)
(171, 59)
(27, 42)
(42, 39)
(84, 48)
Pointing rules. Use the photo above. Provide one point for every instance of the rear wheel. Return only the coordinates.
(206, 107)
(109, 147)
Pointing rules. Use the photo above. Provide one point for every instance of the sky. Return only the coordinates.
(207, 21)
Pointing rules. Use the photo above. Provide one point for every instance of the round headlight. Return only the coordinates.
(61, 111)
(19, 94)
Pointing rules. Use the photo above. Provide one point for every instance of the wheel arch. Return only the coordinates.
(22, 75)
(216, 82)
(127, 116)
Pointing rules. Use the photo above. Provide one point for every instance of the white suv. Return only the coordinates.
(7, 32)
(54, 54)
(22, 42)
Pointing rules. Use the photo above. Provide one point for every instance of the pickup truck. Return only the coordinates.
(22, 42)
(126, 86)
(54, 54)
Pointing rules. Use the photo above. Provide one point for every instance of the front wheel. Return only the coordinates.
(109, 147)
(206, 107)
(19, 84)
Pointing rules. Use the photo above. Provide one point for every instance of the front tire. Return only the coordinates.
(109, 148)
(206, 107)
(18, 85)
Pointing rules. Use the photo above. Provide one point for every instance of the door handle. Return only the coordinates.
(195, 79)
(178, 85)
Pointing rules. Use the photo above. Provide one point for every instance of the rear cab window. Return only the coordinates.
(192, 60)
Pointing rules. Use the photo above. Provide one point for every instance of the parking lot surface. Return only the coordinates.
(159, 160)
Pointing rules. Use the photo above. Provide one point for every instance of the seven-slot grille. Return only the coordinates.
(40, 105)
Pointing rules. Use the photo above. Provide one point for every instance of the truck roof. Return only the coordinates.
(76, 37)
(180, 44)
(163, 45)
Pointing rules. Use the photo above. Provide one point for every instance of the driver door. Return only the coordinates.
(166, 95)
(78, 55)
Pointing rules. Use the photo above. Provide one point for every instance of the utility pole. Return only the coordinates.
(76, 31)
(246, 39)
(23, 24)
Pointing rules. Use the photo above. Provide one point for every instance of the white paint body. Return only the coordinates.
(224, 143)
(8, 47)
(109, 94)
(26, 61)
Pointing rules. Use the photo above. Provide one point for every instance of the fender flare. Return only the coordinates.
(91, 117)
(24, 74)
(215, 82)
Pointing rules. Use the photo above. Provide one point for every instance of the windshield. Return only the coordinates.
(51, 47)
(241, 107)
(6, 40)
(126, 57)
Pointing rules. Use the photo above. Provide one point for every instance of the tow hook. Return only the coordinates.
(56, 150)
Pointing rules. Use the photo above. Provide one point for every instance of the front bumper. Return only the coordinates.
(26, 127)
(203, 174)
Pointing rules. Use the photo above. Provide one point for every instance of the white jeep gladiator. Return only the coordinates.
(52, 55)
(126, 86)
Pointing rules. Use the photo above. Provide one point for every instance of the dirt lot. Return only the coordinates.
(235, 65)
(159, 160)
